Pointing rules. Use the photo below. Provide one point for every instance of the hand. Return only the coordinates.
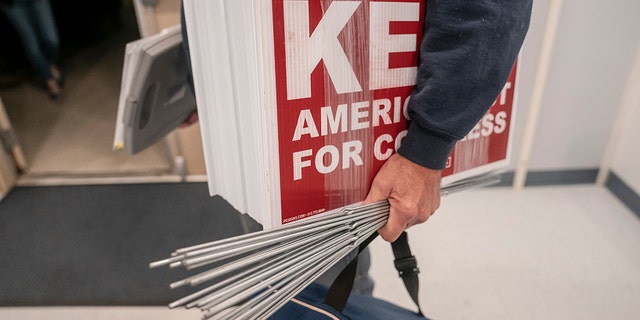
(192, 119)
(413, 192)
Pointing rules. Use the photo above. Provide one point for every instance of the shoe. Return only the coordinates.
(57, 75)
(54, 89)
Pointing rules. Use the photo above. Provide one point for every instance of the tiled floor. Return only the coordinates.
(542, 253)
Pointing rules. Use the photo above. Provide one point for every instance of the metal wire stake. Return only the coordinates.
(277, 264)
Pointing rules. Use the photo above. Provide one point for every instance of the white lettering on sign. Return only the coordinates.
(305, 125)
(333, 122)
(359, 111)
(381, 108)
(488, 125)
(377, 147)
(502, 97)
(304, 50)
(299, 163)
(380, 152)
(327, 159)
(349, 117)
(503, 93)
(383, 43)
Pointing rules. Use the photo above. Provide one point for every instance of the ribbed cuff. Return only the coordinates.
(426, 148)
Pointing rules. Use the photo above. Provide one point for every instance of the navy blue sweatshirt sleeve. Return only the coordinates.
(467, 53)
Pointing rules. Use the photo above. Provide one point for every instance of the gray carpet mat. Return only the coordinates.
(91, 245)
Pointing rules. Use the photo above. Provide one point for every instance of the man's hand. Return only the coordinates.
(191, 119)
(413, 192)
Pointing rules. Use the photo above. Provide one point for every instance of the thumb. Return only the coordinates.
(376, 193)
(392, 230)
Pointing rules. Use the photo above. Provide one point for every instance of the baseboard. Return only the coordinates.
(617, 186)
(552, 178)
(561, 177)
(83, 180)
(506, 180)
(624, 192)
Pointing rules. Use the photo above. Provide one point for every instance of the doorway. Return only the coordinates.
(69, 140)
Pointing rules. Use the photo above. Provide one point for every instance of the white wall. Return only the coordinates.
(626, 155)
(626, 164)
(528, 61)
(593, 52)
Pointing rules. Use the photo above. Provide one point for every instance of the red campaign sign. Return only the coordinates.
(344, 72)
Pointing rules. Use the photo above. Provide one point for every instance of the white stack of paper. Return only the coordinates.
(301, 102)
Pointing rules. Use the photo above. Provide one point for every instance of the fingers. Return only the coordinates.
(193, 118)
(402, 217)
(394, 227)
(413, 192)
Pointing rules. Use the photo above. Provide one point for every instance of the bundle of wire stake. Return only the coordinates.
(262, 271)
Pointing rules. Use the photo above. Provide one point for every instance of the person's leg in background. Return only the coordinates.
(21, 17)
(47, 33)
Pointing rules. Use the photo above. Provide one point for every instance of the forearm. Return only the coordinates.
(467, 53)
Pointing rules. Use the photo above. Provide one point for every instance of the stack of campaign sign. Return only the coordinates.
(301, 102)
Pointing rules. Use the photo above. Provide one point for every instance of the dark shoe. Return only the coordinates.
(57, 75)
(54, 89)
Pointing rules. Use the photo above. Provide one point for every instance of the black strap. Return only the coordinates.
(404, 262)
(407, 267)
(340, 289)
